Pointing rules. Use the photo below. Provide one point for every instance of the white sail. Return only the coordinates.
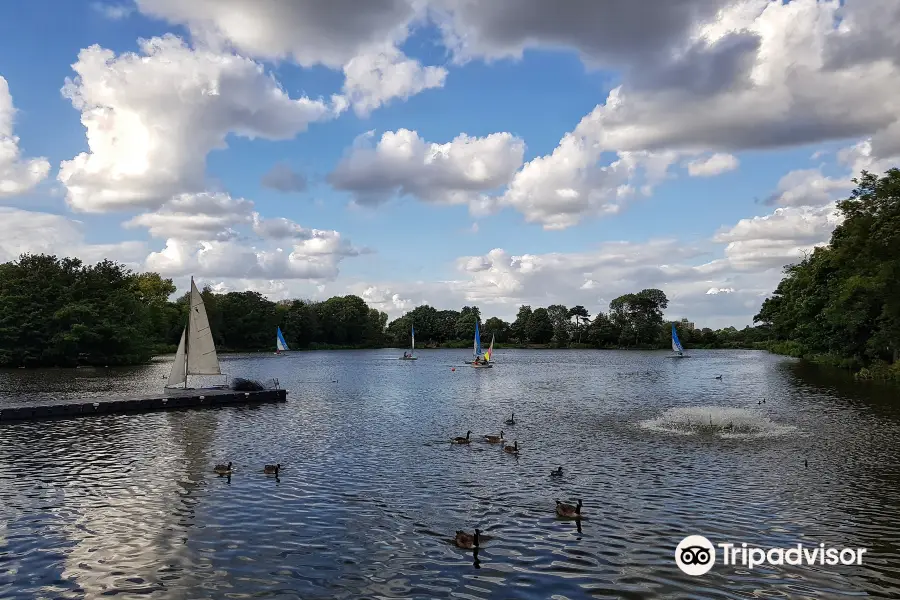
(196, 353)
(280, 344)
(202, 358)
(178, 376)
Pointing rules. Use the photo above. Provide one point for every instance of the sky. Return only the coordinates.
(448, 152)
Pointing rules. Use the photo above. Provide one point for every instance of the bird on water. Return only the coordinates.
(461, 440)
(223, 469)
(465, 540)
(493, 439)
(569, 511)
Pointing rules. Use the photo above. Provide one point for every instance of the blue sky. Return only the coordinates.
(535, 83)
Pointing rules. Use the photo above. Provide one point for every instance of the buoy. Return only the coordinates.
(452, 368)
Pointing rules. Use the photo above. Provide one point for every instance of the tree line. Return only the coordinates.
(61, 312)
(840, 305)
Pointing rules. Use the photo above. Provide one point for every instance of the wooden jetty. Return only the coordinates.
(170, 399)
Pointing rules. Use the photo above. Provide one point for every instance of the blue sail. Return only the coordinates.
(280, 344)
(477, 340)
(676, 344)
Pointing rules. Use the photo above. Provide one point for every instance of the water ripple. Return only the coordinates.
(371, 491)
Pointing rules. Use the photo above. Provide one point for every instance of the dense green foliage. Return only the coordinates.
(60, 312)
(841, 303)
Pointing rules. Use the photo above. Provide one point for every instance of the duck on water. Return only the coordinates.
(568, 511)
(461, 440)
(467, 541)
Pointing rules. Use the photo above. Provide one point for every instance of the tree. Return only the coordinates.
(60, 312)
(559, 316)
(520, 325)
(602, 332)
(582, 318)
(498, 328)
(844, 299)
(465, 324)
(540, 326)
(639, 316)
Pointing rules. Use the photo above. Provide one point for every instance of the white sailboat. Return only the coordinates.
(280, 344)
(412, 351)
(676, 346)
(196, 353)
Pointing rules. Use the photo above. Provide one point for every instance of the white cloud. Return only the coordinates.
(761, 75)
(315, 259)
(152, 118)
(559, 190)
(17, 175)
(774, 240)
(605, 33)
(361, 38)
(310, 32)
(196, 217)
(808, 187)
(32, 232)
(811, 187)
(113, 12)
(386, 301)
(375, 78)
(220, 237)
(714, 292)
(461, 171)
(714, 165)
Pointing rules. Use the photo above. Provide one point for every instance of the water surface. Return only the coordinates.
(371, 492)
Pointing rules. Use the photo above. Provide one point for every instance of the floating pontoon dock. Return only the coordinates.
(171, 399)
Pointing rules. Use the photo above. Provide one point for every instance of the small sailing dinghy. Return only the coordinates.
(676, 346)
(280, 345)
(411, 355)
(196, 353)
(481, 361)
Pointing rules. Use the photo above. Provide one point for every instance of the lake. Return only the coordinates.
(371, 491)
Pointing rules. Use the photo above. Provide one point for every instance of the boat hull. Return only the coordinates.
(409, 358)
(679, 356)
(487, 366)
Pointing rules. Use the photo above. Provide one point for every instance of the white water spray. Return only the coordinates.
(716, 421)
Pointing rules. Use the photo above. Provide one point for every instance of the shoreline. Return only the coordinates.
(871, 373)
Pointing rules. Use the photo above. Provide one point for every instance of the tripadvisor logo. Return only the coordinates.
(696, 555)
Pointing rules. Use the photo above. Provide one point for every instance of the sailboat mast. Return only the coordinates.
(187, 333)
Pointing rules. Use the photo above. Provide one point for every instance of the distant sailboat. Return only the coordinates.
(676, 345)
(481, 362)
(412, 351)
(280, 344)
(196, 353)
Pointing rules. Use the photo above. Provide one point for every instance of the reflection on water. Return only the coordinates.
(371, 491)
